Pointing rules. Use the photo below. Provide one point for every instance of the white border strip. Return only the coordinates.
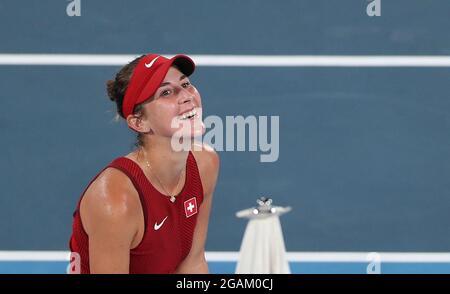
(237, 60)
(218, 256)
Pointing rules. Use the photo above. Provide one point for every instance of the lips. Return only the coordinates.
(188, 114)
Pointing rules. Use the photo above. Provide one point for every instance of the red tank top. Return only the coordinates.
(169, 227)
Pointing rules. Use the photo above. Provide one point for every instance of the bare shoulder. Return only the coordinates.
(110, 200)
(208, 163)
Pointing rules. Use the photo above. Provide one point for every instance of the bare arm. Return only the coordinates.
(195, 262)
(110, 212)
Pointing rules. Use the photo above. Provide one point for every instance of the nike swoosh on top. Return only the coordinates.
(158, 226)
(148, 65)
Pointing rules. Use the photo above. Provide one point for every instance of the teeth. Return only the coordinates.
(188, 114)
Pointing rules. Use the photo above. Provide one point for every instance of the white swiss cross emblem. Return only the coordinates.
(190, 207)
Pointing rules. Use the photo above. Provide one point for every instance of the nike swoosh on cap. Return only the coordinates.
(148, 65)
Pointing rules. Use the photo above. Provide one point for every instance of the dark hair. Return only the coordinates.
(116, 91)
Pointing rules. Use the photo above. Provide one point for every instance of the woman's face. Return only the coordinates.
(176, 108)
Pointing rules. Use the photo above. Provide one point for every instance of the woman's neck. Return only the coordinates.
(164, 160)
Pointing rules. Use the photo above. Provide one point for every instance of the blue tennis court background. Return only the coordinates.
(364, 152)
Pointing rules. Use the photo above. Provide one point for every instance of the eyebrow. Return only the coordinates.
(168, 83)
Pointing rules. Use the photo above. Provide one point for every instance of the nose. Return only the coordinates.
(185, 96)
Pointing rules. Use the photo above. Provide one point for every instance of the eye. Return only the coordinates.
(186, 84)
(165, 93)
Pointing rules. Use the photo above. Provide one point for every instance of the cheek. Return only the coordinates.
(162, 113)
(197, 97)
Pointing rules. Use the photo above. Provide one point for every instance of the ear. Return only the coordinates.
(138, 124)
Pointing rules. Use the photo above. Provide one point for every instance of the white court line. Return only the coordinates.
(237, 60)
(230, 256)
(399, 257)
(34, 255)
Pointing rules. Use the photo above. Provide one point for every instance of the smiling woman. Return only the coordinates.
(136, 215)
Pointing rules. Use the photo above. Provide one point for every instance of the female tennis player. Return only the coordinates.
(148, 211)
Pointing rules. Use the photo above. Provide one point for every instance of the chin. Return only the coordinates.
(199, 130)
(190, 131)
(187, 128)
(183, 138)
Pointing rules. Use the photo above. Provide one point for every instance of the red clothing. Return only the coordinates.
(169, 227)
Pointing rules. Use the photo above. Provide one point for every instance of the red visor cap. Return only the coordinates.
(148, 76)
